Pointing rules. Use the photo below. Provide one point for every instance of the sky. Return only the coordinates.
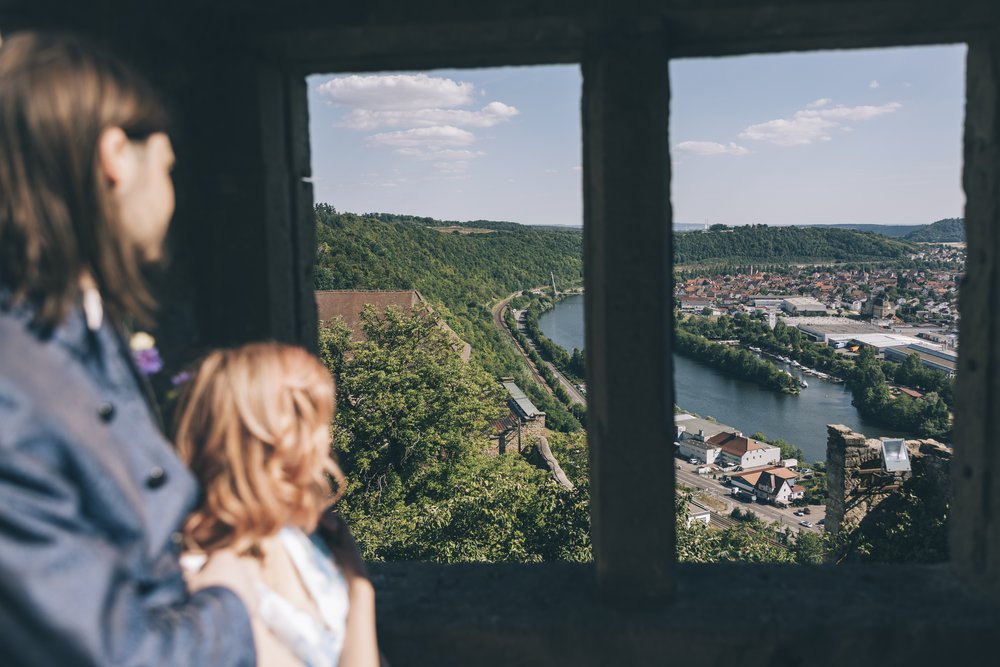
(870, 136)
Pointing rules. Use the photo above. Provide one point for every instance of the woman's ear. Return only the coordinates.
(117, 158)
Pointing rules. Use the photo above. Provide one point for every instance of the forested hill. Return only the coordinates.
(402, 252)
(949, 230)
(892, 231)
(462, 268)
(433, 222)
(762, 243)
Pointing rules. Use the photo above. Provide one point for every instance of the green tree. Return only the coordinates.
(809, 548)
(408, 401)
(412, 430)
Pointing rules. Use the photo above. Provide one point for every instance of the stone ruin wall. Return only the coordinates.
(854, 491)
(533, 429)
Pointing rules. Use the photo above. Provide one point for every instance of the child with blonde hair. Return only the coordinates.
(254, 427)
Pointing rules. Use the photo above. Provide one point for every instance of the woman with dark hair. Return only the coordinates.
(92, 497)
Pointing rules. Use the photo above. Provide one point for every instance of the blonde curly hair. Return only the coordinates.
(254, 427)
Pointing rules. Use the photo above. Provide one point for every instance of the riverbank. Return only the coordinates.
(800, 420)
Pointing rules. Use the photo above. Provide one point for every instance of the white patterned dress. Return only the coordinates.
(317, 642)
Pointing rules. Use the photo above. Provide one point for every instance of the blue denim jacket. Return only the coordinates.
(92, 498)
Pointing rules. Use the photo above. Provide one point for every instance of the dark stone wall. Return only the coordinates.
(242, 244)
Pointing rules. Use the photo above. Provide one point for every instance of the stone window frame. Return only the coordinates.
(247, 201)
(641, 592)
(246, 223)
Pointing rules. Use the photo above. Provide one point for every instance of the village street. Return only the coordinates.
(687, 475)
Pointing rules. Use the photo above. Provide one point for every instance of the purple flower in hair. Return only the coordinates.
(181, 378)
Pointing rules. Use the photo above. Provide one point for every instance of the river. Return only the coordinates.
(800, 420)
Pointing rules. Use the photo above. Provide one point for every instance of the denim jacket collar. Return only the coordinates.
(72, 332)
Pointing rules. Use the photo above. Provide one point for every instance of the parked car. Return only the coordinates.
(806, 510)
(799, 513)
(807, 524)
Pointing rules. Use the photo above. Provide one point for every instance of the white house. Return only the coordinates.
(774, 485)
(778, 486)
(695, 446)
(738, 450)
(698, 514)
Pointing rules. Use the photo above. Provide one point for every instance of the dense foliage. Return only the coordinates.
(461, 274)
(788, 450)
(892, 231)
(412, 432)
(572, 363)
(761, 243)
(949, 230)
(927, 416)
(733, 360)
(752, 540)
(909, 526)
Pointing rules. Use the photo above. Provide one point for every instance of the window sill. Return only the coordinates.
(551, 614)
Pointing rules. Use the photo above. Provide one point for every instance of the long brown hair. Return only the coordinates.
(247, 426)
(58, 93)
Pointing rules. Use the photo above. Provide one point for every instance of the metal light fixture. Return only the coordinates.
(895, 457)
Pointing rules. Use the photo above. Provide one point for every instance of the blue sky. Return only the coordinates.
(828, 137)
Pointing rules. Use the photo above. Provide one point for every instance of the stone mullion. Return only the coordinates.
(627, 256)
(975, 516)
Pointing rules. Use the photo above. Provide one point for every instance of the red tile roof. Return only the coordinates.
(736, 445)
(348, 305)
(749, 477)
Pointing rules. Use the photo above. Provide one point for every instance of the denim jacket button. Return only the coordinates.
(106, 412)
(156, 478)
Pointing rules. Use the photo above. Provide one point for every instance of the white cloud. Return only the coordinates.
(821, 102)
(864, 112)
(438, 137)
(442, 145)
(389, 183)
(578, 168)
(873, 84)
(452, 168)
(370, 119)
(425, 111)
(434, 153)
(710, 148)
(813, 124)
(397, 92)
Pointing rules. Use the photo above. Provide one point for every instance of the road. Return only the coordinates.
(498, 311)
(575, 394)
(687, 476)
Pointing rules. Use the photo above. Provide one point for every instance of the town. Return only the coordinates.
(925, 292)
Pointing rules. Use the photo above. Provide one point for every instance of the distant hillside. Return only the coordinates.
(949, 230)
(761, 243)
(432, 222)
(463, 274)
(892, 231)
